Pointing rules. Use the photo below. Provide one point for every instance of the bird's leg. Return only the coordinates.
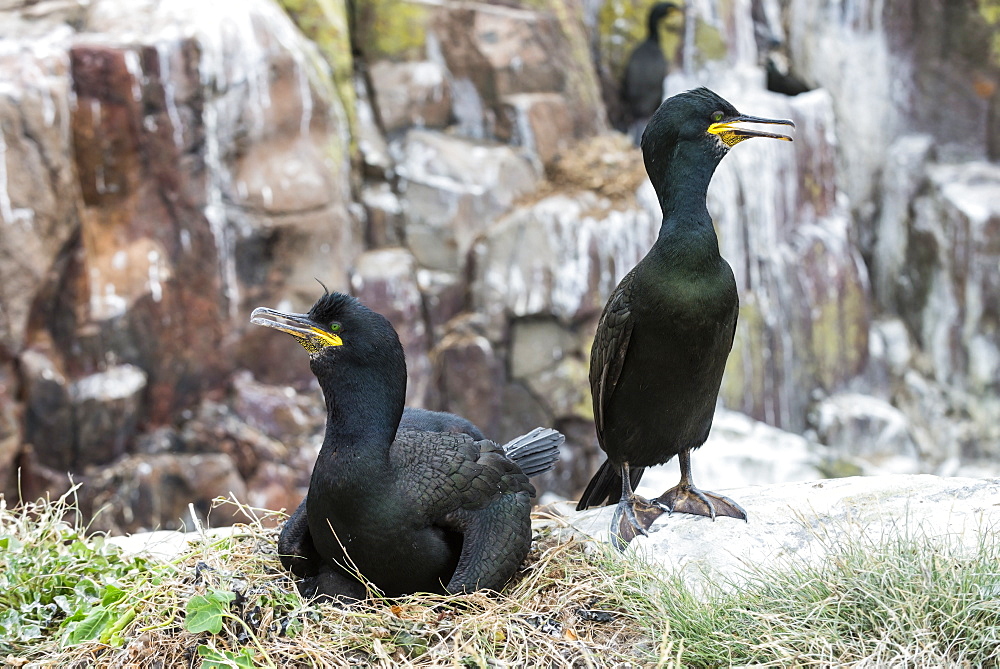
(633, 515)
(686, 498)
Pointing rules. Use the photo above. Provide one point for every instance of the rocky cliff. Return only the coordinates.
(167, 166)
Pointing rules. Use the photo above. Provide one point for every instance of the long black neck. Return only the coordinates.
(681, 179)
(364, 403)
(653, 26)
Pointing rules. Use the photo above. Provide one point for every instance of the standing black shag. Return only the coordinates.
(645, 70)
(662, 342)
(413, 503)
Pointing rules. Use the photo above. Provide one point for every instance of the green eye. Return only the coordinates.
(717, 116)
(335, 327)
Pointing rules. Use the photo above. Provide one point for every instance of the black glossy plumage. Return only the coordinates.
(645, 70)
(535, 452)
(439, 421)
(665, 334)
(422, 504)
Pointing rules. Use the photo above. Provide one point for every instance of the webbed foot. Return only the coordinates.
(688, 499)
(633, 517)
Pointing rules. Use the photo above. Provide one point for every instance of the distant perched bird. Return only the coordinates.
(667, 329)
(780, 77)
(414, 502)
(645, 70)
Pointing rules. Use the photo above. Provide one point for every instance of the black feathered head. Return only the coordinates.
(336, 323)
(656, 14)
(357, 359)
(697, 126)
(700, 115)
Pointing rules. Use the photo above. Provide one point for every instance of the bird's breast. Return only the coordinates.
(681, 334)
(686, 299)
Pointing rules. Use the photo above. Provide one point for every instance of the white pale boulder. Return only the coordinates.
(807, 519)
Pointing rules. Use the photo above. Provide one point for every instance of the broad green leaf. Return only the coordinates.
(112, 594)
(86, 588)
(204, 613)
(294, 627)
(91, 627)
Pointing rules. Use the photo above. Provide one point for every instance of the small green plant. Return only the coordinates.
(204, 613)
(56, 583)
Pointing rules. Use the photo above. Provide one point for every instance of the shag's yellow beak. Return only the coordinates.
(729, 133)
(313, 336)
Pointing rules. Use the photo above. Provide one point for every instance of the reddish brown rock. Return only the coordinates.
(413, 94)
(145, 492)
(539, 122)
(163, 181)
(142, 228)
(36, 480)
(39, 197)
(444, 298)
(215, 428)
(277, 487)
(383, 215)
(470, 374)
(279, 412)
(505, 50)
(457, 64)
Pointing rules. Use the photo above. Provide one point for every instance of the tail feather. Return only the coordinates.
(535, 452)
(606, 486)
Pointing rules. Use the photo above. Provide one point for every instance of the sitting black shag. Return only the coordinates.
(413, 502)
(645, 70)
(667, 329)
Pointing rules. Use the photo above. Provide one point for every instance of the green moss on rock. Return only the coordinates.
(990, 11)
(839, 336)
(582, 81)
(709, 43)
(392, 29)
(325, 23)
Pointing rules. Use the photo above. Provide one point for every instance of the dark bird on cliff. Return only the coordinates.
(662, 341)
(645, 70)
(413, 502)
